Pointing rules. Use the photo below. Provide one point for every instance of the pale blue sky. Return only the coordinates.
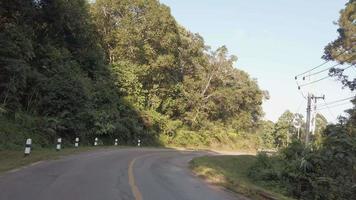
(274, 40)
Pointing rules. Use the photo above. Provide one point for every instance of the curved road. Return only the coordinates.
(114, 174)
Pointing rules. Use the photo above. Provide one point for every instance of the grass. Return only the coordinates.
(11, 159)
(231, 172)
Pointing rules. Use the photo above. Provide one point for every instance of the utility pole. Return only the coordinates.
(307, 124)
(310, 123)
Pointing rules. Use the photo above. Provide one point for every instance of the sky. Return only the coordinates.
(274, 40)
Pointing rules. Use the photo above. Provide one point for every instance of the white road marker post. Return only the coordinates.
(138, 142)
(28, 146)
(115, 142)
(76, 144)
(96, 142)
(59, 144)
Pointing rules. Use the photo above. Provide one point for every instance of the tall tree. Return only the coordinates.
(219, 92)
(266, 134)
(343, 49)
(52, 66)
(17, 50)
(165, 68)
(144, 35)
(284, 129)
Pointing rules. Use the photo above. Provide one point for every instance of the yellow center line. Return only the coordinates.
(136, 192)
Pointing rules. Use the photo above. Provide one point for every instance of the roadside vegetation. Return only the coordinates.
(124, 70)
(305, 172)
(118, 69)
(232, 172)
(322, 169)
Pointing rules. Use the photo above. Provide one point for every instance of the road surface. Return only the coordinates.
(112, 174)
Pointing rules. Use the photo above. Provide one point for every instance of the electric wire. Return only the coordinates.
(321, 71)
(322, 64)
(334, 106)
(331, 113)
(300, 91)
(336, 101)
(309, 83)
(326, 105)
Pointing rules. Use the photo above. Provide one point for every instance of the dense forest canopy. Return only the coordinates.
(116, 69)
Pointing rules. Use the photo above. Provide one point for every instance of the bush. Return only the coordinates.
(309, 173)
(16, 129)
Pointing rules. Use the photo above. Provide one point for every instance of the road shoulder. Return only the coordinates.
(230, 172)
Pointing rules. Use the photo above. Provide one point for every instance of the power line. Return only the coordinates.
(300, 91)
(309, 83)
(337, 105)
(296, 77)
(315, 73)
(336, 101)
(312, 69)
(348, 67)
(314, 81)
(331, 113)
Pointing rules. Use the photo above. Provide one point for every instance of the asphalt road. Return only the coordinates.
(115, 174)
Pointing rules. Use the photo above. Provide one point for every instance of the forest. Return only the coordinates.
(126, 70)
(117, 69)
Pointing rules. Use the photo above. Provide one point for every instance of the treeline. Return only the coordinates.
(117, 69)
(288, 128)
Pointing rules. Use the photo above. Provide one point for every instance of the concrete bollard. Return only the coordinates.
(28, 146)
(138, 142)
(116, 140)
(96, 142)
(59, 144)
(76, 144)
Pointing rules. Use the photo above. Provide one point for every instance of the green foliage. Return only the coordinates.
(289, 127)
(145, 36)
(266, 134)
(53, 68)
(320, 126)
(221, 93)
(267, 171)
(167, 73)
(118, 69)
(232, 172)
(15, 130)
(283, 129)
(346, 36)
(327, 172)
(343, 48)
(215, 137)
